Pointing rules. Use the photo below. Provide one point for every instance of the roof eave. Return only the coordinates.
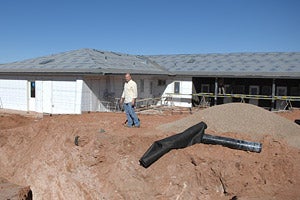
(80, 72)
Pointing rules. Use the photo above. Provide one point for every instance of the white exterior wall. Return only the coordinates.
(151, 87)
(56, 96)
(14, 94)
(66, 95)
(183, 98)
(39, 98)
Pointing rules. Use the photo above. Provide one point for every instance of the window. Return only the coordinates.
(142, 85)
(266, 90)
(227, 88)
(281, 91)
(205, 88)
(177, 87)
(161, 82)
(254, 90)
(32, 89)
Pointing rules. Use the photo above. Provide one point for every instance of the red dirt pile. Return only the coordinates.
(241, 118)
(41, 153)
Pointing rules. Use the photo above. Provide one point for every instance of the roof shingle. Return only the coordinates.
(101, 62)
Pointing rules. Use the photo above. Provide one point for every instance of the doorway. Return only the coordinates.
(281, 91)
(253, 90)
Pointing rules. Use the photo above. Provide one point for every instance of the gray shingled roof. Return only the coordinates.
(232, 64)
(91, 61)
(85, 61)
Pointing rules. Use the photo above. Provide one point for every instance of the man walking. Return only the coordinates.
(129, 96)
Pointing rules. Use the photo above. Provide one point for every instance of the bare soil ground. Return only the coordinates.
(40, 152)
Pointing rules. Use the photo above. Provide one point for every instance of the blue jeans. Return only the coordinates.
(131, 116)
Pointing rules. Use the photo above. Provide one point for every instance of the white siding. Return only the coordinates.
(183, 98)
(186, 87)
(78, 96)
(46, 95)
(58, 97)
(39, 97)
(66, 95)
(63, 97)
(55, 95)
(14, 94)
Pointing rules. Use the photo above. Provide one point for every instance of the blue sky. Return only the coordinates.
(34, 28)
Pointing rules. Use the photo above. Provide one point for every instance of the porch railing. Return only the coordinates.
(287, 99)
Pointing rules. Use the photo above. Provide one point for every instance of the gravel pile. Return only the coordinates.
(241, 118)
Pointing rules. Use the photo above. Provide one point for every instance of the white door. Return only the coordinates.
(47, 97)
(31, 96)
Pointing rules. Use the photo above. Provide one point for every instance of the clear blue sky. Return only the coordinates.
(33, 28)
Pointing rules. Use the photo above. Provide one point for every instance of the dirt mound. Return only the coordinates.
(8, 121)
(105, 164)
(10, 191)
(241, 118)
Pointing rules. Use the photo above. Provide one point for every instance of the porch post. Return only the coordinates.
(216, 90)
(273, 95)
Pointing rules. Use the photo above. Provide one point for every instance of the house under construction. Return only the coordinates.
(91, 80)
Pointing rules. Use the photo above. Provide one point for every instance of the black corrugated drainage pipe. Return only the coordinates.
(190, 136)
(232, 143)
